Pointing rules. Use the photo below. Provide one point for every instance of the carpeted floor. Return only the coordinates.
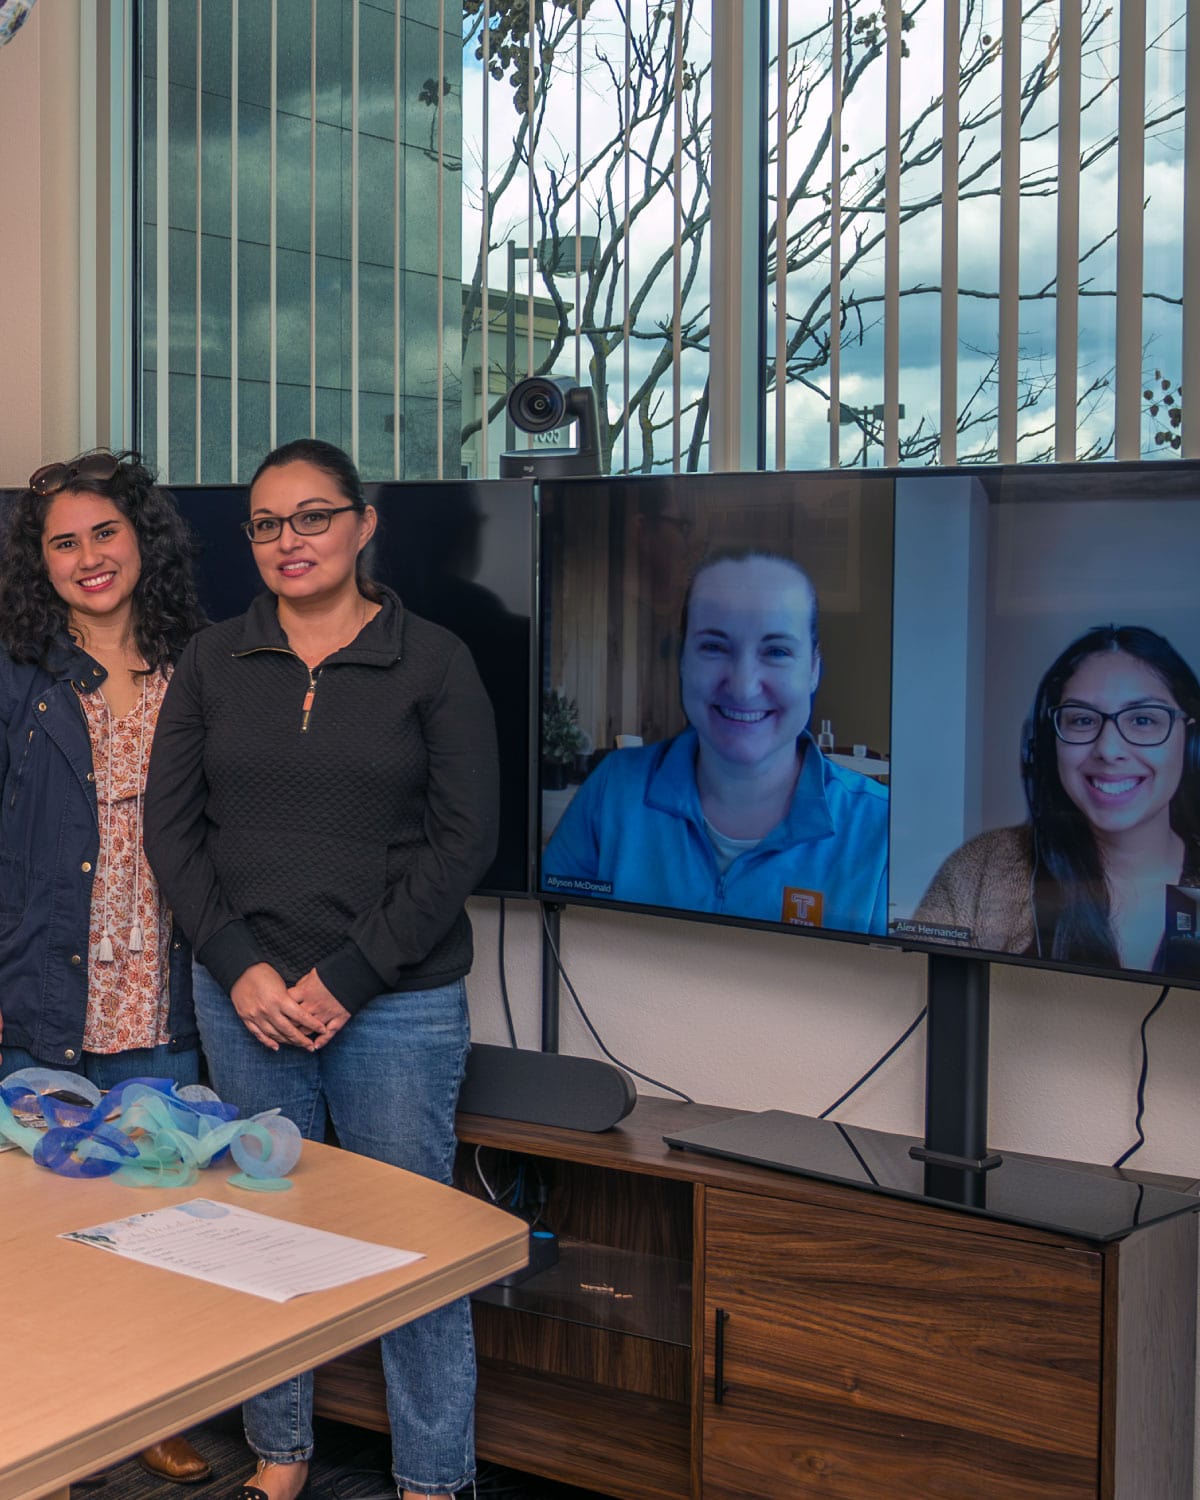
(351, 1464)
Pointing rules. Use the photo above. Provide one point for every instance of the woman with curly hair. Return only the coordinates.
(96, 602)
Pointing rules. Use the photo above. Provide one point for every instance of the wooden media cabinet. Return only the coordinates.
(714, 1330)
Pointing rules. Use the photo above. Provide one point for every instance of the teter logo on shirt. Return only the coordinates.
(802, 908)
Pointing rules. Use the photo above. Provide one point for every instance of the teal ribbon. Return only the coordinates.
(146, 1132)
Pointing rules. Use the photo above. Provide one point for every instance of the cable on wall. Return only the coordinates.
(875, 1066)
(500, 959)
(1142, 1077)
(566, 979)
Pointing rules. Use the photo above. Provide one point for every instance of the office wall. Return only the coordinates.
(757, 1020)
(39, 241)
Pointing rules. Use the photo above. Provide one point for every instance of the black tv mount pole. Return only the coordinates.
(955, 1151)
(551, 947)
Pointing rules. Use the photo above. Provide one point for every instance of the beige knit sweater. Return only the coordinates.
(984, 886)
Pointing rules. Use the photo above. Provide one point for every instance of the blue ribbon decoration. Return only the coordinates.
(146, 1132)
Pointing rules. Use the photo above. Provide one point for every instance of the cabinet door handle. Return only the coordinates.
(720, 1318)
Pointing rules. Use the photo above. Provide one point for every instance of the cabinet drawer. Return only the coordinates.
(865, 1356)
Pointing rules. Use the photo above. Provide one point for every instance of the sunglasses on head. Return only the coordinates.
(51, 478)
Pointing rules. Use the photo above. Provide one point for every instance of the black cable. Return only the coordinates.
(645, 1077)
(875, 1067)
(1142, 1076)
(508, 1015)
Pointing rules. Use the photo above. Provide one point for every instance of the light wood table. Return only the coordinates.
(103, 1356)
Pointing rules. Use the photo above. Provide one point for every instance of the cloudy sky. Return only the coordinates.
(580, 79)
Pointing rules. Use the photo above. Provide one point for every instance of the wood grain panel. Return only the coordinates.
(968, 1362)
(629, 1446)
(1150, 1411)
(825, 1452)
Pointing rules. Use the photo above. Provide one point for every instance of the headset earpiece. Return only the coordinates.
(1028, 758)
(1191, 749)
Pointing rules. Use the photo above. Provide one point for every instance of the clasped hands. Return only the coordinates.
(304, 1014)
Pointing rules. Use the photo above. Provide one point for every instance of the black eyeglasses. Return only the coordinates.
(1143, 724)
(303, 522)
(51, 478)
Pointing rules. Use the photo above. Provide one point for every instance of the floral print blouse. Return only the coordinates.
(127, 994)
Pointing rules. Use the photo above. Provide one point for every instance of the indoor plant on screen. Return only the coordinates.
(562, 738)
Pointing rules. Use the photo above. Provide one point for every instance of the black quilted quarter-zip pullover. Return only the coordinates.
(335, 819)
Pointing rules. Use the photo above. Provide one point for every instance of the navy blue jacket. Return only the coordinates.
(49, 843)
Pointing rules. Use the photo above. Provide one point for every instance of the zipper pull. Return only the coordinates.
(306, 706)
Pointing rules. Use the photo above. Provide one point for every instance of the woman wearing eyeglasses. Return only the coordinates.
(96, 602)
(322, 801)
(1111, 764)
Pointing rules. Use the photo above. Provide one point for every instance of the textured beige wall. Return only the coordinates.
(39, 240)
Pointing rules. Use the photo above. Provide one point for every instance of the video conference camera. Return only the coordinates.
(541, 404)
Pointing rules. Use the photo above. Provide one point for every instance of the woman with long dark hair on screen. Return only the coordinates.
(1112, 783)
(322, 802)
(96, 602)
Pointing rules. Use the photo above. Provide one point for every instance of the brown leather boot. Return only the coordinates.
(175, 1459)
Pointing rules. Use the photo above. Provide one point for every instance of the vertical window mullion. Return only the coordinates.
(1010, 229)
(354, 231)
(948, 360)
(121, 323)
(677, 244)
(781, 238)
(272, 250)
(441, 241)
(1191, 237)
(626, 290)
(578, 197)
(396, 222)
(835, 238)
(1066, 309)
(199, 226)
(233, 241)
(312, 222)
(1131, 171)
(891, 236)
(162, 318)
(89, 210)
(485, 377)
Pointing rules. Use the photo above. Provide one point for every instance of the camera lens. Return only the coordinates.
(537, 405)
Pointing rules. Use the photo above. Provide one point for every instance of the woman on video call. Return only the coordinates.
(1111, 783)
(740, 813)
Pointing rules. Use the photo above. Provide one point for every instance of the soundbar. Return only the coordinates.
(545, 1088)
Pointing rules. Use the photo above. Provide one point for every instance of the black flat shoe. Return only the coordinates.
(252, 1491)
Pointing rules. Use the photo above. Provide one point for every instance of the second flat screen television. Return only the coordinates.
(952, 711)
(457, 552)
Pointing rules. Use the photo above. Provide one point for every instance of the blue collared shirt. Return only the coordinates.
(635, 832)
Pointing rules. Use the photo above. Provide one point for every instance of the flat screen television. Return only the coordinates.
(990, 677)
(953, 711)
(461, 553)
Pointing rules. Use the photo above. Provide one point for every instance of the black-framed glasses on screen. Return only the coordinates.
(303, 522)
(51, 478)
(1143, 724)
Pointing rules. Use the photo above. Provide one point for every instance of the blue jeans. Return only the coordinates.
(389, 1082)
(107, 1069)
